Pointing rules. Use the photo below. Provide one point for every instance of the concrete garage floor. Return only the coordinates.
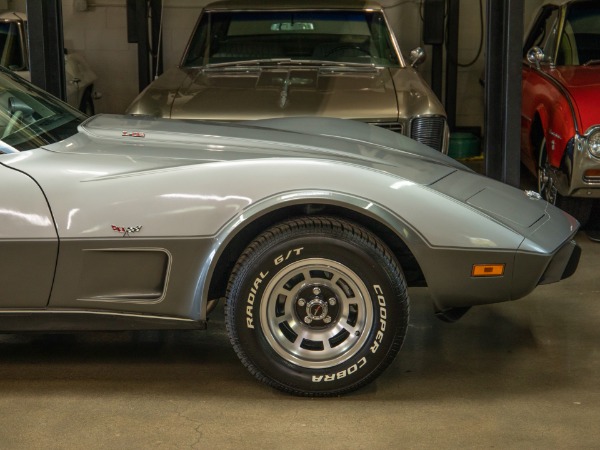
(515, 375)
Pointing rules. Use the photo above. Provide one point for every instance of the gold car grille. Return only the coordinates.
(392, 126)
(426, 130)
(429, 131)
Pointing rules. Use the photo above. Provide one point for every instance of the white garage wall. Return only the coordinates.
(100, 34)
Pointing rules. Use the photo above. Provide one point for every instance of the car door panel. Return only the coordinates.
(28, 242)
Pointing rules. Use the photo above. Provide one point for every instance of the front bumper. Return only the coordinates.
(548, 254)
(563, 264)
(579, 178)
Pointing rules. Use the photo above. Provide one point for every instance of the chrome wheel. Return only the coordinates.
(580, 208)
(316, 313)
(316, 306)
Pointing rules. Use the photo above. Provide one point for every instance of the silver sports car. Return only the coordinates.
(311, 229)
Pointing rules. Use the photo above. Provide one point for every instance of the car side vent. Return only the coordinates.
(428, 131)
(392, 126)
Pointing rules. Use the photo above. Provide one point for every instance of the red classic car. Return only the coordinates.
(560, 113)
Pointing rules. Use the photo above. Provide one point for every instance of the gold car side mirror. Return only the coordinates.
(417, 56)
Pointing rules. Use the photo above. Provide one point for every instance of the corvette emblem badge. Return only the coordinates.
(137, 134)
(126, 230)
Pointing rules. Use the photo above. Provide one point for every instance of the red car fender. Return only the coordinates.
(551, 104)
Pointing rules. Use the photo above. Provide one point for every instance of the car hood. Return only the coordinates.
(162, 143)
(110, 147)
(364, 93)
(583, 84)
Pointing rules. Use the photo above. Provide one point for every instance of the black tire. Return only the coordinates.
(316, 307)
(87, 102)
(580, 208)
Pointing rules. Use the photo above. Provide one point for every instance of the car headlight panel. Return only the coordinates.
(594, 142)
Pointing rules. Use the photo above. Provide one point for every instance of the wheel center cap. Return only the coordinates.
(317, 306)
(317, 309)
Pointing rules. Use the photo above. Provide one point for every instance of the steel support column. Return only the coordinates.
(141, 11)
(503, 90)
(452, 62)
(434, 33)
(144, 22)
(156, 25)
(46, 46)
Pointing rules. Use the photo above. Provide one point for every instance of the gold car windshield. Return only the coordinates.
(354, 37)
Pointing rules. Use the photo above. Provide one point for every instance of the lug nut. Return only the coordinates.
(332, 301)
(301, 302)
(316, 291)
(307, 319)
(327, 319)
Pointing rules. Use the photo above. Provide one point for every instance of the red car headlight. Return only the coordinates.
(593, 139)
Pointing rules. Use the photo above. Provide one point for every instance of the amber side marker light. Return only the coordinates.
(487, 270)
(592, 175)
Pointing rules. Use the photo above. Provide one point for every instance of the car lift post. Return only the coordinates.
(502, 140)
(450, 98)
(149, 47)
(46, 46)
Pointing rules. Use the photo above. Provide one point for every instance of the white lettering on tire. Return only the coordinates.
(342, 373)
(284, 257)
(382, 318)
(252, 297)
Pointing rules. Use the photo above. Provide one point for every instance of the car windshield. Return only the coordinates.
(357, 37)
(30, 118)
(580, 43)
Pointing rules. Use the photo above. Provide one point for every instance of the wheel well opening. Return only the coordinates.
(537, 136)
(233, 250)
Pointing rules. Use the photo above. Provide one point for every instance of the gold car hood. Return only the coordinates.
(238, 93)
